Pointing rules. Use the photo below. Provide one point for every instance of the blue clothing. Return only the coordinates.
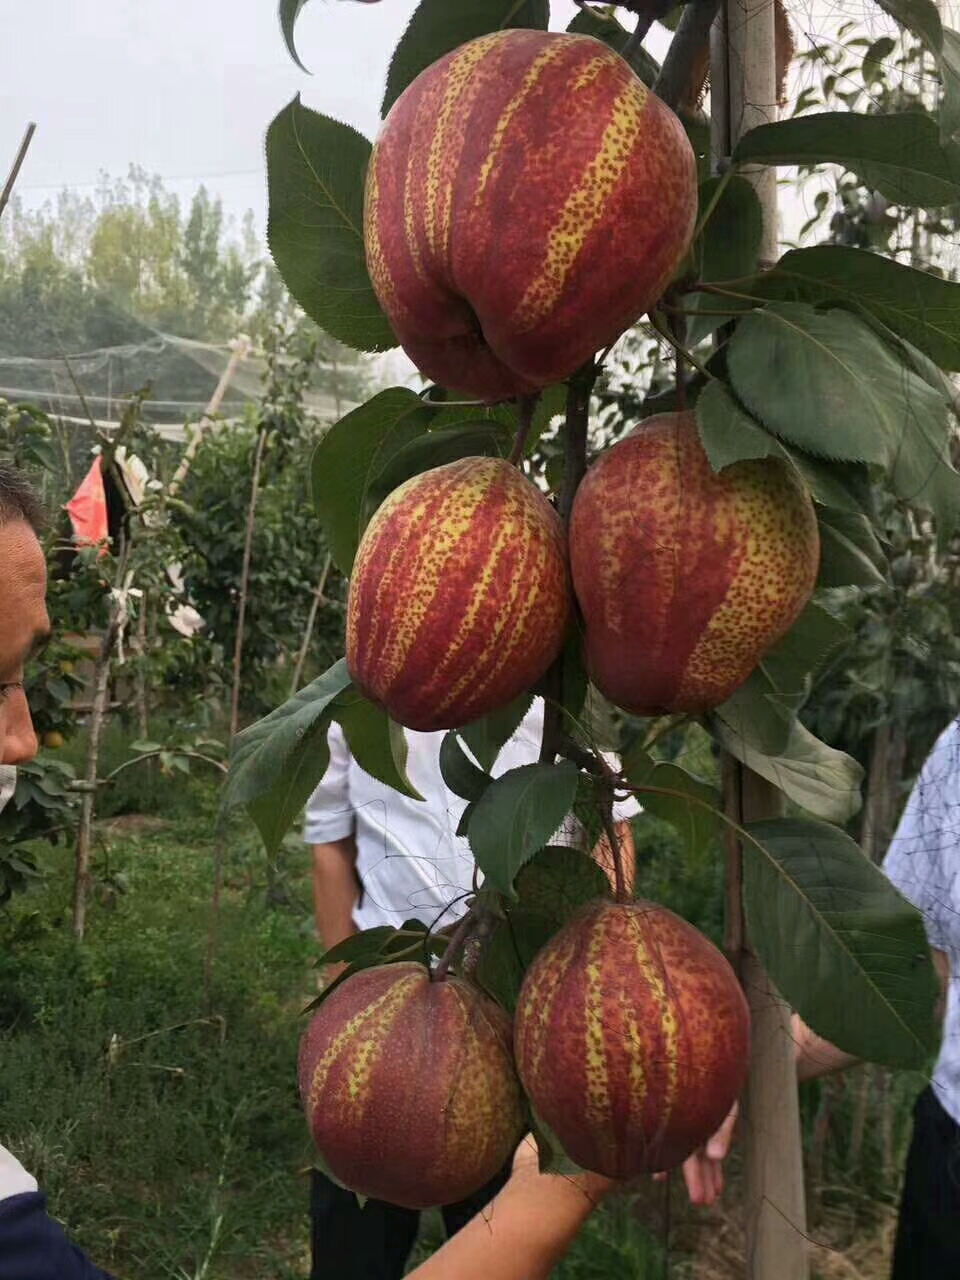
(34, 1247)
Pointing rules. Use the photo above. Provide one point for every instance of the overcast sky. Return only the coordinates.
(185, 88)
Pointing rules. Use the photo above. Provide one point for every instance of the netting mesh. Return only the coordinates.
(183, 375)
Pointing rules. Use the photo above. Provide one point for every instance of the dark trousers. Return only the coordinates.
(928, 1231)
(373, 1243)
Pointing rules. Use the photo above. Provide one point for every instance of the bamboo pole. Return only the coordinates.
(743, 95)
(98, 715)
(239, 350)
(21, 155)
(311, 622)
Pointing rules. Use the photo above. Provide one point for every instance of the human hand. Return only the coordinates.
(703, 1171)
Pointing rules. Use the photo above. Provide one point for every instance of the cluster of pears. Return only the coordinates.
(527, 200)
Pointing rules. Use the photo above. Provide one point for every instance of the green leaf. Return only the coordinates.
(382, 945)
(486, 737)
(557, 881)
(728, 433)
(517, 815)
(437, 27)
(350, 456)
(842, 945)
(825, 382)
(506, 954)
(921, 17)
(872, 68)
(316, 169)
(435, 449)
(751, 717)
(459, 772)
(818, 778)
(276, 763)
(899, 155)
(366, 944)
(605, 27)
(842, 485)
(920, 307)
(814, 638)
(551, 1156)
(142, 745)
(727, 249)
(693, 806)
(554, 884)
(573, 677)
(376, 743)
(289, 12)
(850, 553)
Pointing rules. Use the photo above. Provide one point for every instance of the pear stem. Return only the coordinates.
(619, 879)
(526, 406)
(456, 944)
(579, 390)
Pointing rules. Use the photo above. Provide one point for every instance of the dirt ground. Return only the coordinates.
(851, 1237)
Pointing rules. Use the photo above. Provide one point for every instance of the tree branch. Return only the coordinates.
(526, 407)
(457, 940)
(693, 34)
(579, 390)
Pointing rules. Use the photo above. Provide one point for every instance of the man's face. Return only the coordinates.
(23, 622)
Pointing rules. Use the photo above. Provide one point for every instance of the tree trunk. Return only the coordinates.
(774, 1200)
(873, 822)
(830, 1090)
(888, 1161)
(858, 1125)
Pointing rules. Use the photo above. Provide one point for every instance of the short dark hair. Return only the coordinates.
(18, 500)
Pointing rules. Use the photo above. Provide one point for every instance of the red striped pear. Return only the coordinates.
(528, 199)
(632, 1038)
(685, 576)
(459, 597)
(409, 1087)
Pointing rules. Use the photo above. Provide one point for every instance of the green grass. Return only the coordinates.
(168, 1133)
(169, 1137)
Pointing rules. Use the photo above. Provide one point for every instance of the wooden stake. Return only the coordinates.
(743, 95)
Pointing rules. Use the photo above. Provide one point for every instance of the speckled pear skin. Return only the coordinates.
(632, 1038)
(409, 1087)
(527, 200)
(460, 594)
(686, 577)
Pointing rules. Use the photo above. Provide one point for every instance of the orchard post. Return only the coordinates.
(743, 95)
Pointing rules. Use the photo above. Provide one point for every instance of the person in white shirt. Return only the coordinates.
(380, 858)
(923, 862)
